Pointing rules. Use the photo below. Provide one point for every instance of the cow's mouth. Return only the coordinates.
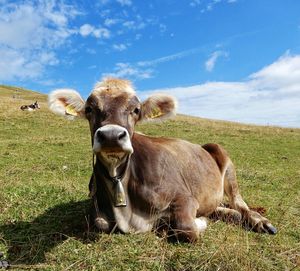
(112, 157)
(113, 161)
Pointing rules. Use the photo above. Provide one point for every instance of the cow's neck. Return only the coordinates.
(125, 217)
(122, 213)
(115, 182)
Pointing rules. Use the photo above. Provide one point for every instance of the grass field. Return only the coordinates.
(45, 167)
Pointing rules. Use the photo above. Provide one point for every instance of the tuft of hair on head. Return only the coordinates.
(66, 102)
(159, 106)
(114, 84)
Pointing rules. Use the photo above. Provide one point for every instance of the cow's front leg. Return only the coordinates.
(102, 224)
(98, 218)
(184, 223)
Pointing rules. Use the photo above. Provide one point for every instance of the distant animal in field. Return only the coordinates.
(139, 181)
(30, 107)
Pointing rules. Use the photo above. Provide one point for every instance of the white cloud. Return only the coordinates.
(102, 33)
(27, 26)
(209, 5)
(129, 71)
(211, 62)
(86, 30)
(91, 51)
(121, 2)
(120, 47)
(195, 3)
(285, 72)
(30, 32)
(24, 65)
(109, 22)
(125, 2)
(133, 25)
(89, 30)
(144, 69)
(103, 2)
(129, 24)
(48, 58)
(104, 13)
(138, 36)
(270, 96)
(162, 28)
(50, 82)
(168, 58)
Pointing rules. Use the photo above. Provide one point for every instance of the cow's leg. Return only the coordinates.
(253, 219)
(227, 214)
(102, 224)
(184, 223)
(99, 219)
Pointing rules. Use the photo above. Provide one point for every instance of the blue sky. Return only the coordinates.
(235, 60)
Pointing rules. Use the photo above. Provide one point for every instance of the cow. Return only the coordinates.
(138, 181)
(30, 107)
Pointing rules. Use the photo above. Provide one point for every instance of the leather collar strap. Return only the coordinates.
(115, 179)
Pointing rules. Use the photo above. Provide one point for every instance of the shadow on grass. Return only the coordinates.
(28, 242)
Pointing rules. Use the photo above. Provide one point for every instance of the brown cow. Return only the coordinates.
(138, 180)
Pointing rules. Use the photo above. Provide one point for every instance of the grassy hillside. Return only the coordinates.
(45, 167)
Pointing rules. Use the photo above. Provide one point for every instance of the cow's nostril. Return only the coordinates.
(100, 136)
(121, 135)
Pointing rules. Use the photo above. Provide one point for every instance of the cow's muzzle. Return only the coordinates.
(112, 142)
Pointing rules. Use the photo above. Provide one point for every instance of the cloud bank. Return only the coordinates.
(270, 96)
(33, 31)
(30, 34)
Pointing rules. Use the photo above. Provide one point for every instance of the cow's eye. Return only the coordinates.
(88, 110)
(136, 111)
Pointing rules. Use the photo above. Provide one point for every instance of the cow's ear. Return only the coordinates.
(158, 106)
(66, 102)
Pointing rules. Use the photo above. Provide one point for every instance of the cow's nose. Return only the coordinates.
(112, 137)
(111, 134)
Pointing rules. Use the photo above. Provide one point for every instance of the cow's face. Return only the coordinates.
(112, 110)
(112, 116)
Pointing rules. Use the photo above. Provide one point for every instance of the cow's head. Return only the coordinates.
(112, 110)
(36, 105)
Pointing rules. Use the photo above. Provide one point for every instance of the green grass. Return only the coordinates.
(45, 167)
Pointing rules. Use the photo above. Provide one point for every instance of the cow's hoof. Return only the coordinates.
(265, 228)
(271, 229)
(101, 224)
